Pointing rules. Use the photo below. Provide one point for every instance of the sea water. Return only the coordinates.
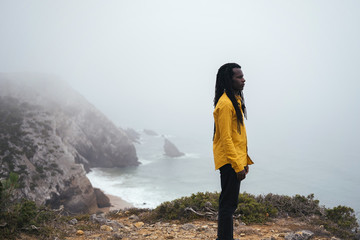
(160, 178)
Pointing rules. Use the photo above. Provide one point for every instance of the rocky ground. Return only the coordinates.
(123, 225)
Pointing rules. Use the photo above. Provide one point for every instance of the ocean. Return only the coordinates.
(160, 178)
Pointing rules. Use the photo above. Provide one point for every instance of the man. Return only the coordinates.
(229, 143)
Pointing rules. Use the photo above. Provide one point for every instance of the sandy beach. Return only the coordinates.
(116, 203)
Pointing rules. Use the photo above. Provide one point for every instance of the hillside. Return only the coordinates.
(51, 137)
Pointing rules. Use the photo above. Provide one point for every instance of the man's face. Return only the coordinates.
(238, 79)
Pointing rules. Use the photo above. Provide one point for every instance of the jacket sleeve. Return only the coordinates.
(225, 114)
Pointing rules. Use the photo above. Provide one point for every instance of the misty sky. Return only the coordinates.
(152, 64)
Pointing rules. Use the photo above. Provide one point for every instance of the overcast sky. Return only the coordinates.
(152, 64)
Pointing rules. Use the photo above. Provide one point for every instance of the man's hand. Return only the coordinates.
(246, 169)
(241, 175)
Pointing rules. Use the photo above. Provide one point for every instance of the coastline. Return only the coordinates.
(117, 203)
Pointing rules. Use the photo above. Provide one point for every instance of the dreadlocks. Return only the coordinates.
(224, 84)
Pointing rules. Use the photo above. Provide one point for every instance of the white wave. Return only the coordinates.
(183, 157)
(100, 179)
(191, 155)
(144, 161)
(168, 135)
(141, 196)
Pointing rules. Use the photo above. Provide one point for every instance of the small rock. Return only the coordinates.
(79, 232)
(139, 224)
(98, 218)
(242, 223)
(115, 224)
(116, 236)
(188, 226)
(106, 228)
(247, 230)
(73, 221)
(92, 217)
(203, 228)
(300, 235)
(134, 217)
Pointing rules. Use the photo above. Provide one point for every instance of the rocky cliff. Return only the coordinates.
(51, 136)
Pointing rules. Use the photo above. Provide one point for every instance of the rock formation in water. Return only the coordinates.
(133, 135)
(150, 132)
(51, 136)
(171, 150)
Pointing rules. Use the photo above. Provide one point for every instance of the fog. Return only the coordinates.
(152, 64)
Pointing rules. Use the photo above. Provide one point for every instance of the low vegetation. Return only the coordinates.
(24, 216)
(340, 220)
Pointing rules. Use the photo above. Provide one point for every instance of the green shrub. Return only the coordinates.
(19, 215)
(340, 221)
(296, 206)
(343, 216)
(258, 209)
(175, 209)
(253, 211)
(6, 190)
(23, 214)
(249, 210)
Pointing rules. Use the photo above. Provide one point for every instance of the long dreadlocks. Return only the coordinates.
(224, 84)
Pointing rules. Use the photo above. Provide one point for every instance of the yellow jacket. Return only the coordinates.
(229, 146)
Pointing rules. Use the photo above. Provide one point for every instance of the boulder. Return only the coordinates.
(101, 199)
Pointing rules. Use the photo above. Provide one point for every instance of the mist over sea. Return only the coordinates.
(160, 178)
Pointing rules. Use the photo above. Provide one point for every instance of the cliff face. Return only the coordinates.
(51, 136)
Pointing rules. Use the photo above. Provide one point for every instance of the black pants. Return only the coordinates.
(228, 201)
